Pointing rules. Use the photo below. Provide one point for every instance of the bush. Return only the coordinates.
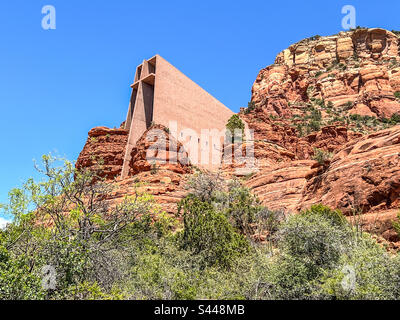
(321, 156)
(314, 125)
(368, 271)
(239, 205)
(235, 128)
(395, 118)
(16, 280)
(205, 186)
(250, 107)
(310, 243)
(208, 233)
(316, 237)
(163, 271)
(134, 251)
(60, 222)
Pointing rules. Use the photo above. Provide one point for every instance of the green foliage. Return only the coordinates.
(241, 207)
(376, 274)
(208, 233)
(134, 251)
(348, 105)
(310, 243)
(235, 128)
(250, 107)
(396, 224)
(16, 280)
(395, 118)
(321, 156)
(313, 38)
(316, 237)
(59, 222)
(154, 168)
(205, 186)
(318, 73)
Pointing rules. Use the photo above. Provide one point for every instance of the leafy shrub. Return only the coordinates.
(134, 251)
(250, 107)
(205, 186)
(239, 205)
(317, 236)
(349, 105)
(318, 73)
(310, 243)
(314, 125)
(154, 168)
(321, 156)
(60, 222)
(208, 232)
(235, 128)
(16, 280)
(375, 274)
(395, 118)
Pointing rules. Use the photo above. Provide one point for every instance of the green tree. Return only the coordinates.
(235, 128)
(208, 233)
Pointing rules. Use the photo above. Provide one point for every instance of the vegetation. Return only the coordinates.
(235, 128)
(66, 242)
(312, 120)
(250, 107)
(322, 156)
(154, 168)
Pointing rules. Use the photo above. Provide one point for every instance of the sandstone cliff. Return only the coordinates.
(339, 94)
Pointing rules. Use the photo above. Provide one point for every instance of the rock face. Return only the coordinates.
(154, 168)
(358, 68)
(364, 176)
(335, 94)
(104, 151)
(158, 149)
(280, 187)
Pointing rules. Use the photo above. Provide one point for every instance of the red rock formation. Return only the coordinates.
(165, 179)
(158, 149)
(104, 151)
(364, 176)
(326, 80)
(360, 66)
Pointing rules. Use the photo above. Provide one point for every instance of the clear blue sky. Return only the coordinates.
(56, 85)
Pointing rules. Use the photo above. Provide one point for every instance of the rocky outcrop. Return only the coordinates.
(104, 152)
(154, 167)
(358, 69)
(335, 94)
(157, 149)
(363, 176)
(362, 180)
(281, 187)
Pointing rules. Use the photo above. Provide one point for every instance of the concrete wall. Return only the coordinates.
(164, 94)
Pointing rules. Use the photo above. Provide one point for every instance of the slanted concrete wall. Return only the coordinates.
(161, 94)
